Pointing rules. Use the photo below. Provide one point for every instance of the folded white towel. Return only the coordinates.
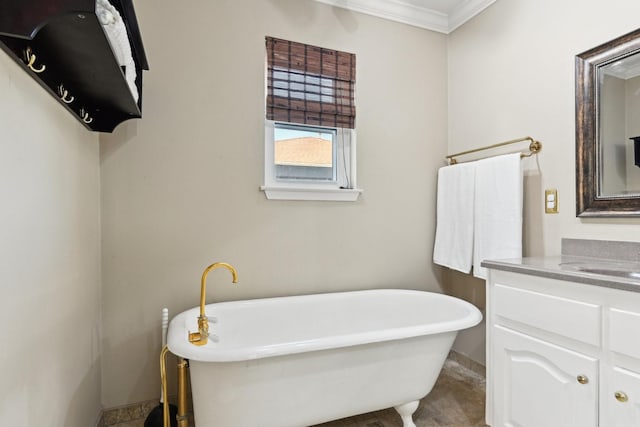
(454, 218)
(116, 32)
(498, 210)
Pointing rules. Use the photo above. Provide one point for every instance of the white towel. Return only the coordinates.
(116, 32)
(454, 218)
(498, 210)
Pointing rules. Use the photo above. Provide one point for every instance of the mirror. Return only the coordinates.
(608, 129)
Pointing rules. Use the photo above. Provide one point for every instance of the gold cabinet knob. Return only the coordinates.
(621, 396)
(582, 379)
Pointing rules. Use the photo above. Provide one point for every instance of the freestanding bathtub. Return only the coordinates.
(303, 360)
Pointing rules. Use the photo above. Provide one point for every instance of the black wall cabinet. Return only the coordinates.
(63, 46)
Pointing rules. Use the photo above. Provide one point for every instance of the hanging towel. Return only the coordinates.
(116, 32)
(498, 210)
(454, 217)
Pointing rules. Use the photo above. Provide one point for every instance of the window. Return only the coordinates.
(309, 123)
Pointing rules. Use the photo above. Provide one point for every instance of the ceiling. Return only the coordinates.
(443, 16)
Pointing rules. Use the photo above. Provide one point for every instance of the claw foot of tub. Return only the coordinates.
(406, 413)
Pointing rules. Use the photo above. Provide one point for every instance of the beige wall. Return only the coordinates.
(180, 187)
(50, 259)
(511, 74)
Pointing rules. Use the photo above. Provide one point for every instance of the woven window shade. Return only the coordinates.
(310, 85)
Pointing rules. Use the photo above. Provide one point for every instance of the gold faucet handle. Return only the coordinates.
(203, 325)
(200, 337)
(196, 338)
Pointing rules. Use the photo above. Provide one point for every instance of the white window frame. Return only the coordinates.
(343, 189)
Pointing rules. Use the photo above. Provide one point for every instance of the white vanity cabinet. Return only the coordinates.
(538, 383)
(561, 353)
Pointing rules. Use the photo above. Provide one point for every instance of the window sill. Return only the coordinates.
(310, 193)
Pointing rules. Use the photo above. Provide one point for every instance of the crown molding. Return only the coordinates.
(400, 11)
(465, 11)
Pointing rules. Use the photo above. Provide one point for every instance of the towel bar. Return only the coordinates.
(534, 148)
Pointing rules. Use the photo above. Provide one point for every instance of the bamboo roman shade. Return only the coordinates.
(310, 85)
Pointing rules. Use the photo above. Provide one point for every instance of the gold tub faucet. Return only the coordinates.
(201, 337)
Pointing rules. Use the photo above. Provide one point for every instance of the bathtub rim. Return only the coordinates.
(178, 343)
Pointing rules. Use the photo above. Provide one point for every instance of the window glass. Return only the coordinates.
(304, 153)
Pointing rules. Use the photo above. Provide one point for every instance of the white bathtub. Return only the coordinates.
(303, 360)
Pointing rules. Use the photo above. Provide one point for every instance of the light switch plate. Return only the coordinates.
(551, 201)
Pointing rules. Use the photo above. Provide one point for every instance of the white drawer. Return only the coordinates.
(570, 318)
(623, 332)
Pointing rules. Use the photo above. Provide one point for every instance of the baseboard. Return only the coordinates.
(468, 363)
(100, 421)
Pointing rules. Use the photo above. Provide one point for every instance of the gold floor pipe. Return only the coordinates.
(182, 416)
(183, 410)
(163, 378)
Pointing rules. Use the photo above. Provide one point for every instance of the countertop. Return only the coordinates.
(607, 272)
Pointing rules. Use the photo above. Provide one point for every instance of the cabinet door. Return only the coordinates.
(541, 384)
(622, 399)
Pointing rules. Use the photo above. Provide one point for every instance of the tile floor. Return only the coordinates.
(457, 400)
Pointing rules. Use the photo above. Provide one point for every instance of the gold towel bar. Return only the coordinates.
(534, 148)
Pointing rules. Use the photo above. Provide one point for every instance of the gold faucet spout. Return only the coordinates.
(201, 337)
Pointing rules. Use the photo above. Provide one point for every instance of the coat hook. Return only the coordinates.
(31, 59)
(85, 116)
(64, 95)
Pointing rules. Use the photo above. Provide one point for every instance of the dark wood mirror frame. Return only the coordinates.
(588, 202)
